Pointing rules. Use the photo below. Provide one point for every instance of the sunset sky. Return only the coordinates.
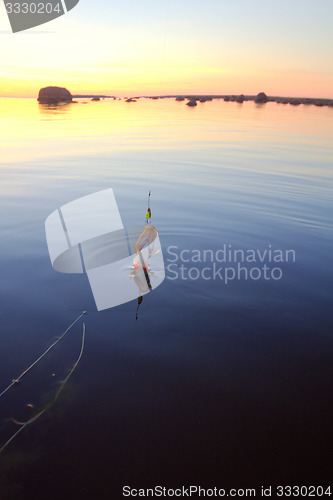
(164, 47)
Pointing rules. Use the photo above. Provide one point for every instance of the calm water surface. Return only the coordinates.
(216, 384)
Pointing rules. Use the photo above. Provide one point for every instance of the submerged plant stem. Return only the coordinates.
(48, 406)
(16, 381)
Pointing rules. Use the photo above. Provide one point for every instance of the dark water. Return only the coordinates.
(216, 384)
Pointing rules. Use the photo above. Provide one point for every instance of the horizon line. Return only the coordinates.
(133, 95)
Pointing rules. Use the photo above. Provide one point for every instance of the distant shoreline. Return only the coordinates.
(238, 98)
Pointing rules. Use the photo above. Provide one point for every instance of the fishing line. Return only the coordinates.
(51, 403)
(17, 380)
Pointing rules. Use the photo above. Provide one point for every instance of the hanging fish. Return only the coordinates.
(146, 238)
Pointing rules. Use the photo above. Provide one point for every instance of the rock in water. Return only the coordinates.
(240, 98)
(191, 102)
(54, 95)
(261, 98)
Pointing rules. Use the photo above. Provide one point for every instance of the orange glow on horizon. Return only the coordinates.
(191, 80)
